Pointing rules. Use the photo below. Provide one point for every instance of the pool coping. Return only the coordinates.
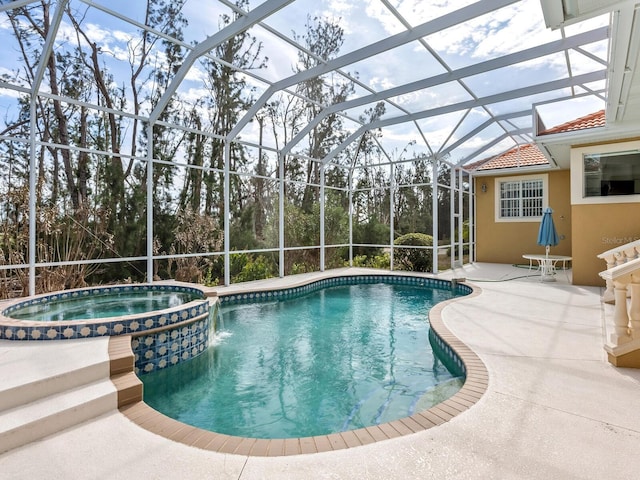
(474, 387)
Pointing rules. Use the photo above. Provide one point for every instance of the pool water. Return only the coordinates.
(337, 359)
(103, 305)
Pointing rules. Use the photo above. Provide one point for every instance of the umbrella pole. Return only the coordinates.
(547, 270)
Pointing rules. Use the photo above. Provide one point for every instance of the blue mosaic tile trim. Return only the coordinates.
(286, 293)
(96, 328)
(165, 348)
(89, 292)
(81, 329)
(447, 355)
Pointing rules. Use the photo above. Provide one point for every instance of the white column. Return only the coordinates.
(472, 220)
(608, 296)
(351, 217)
(322, 206)
(634, 307)
(630, 254)
(620, 314)
(33, 174)
(392, 208)
(460, 260)
(453, 244)
(227, 209)
(434, 211)
(150, 230)
(281, 214)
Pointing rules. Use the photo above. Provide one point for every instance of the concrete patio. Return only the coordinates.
(554, 409)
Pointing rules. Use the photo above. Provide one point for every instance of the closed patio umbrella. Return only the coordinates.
(547, 237)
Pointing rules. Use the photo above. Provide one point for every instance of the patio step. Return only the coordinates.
(34, 370)
(49, 386)
(33, 421)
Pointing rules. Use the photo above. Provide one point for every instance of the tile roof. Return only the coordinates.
(521, 156)
(530, 155)
(592, 120)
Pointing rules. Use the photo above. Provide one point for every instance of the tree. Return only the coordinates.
(322, 41)
(414, 259)
(229, 95)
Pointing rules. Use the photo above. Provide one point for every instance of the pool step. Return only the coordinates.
(127, 383)
(48, 386)
(53, 413)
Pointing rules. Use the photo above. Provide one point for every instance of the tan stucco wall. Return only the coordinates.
(598, 228)
(590, 225)
(506, 242)
(599, 223)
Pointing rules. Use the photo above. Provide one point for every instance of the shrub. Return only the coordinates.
(414, 259)
(378, 261)
(300, 268)
(255, 269)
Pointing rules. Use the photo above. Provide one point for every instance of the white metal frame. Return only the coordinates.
(257, 16)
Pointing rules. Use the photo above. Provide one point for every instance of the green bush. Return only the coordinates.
(301, 268)
(255, 269)
(414, 259)
(376, 261)
(244, 267)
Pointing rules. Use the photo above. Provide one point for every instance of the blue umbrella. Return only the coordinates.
(547, 235)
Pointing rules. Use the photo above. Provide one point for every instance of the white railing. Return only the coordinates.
(615, 257)
(625, 279)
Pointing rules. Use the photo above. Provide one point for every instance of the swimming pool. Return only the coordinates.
(313, 361)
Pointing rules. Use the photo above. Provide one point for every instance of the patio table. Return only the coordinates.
(547, 264)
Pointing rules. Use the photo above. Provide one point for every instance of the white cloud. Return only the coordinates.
(341, 10)
(497, 33)
(203, 18)
(123, 37)
(377, 11)
(194, 95)
(340, 7)
(281, 55)
(381, 83)
(96, 33)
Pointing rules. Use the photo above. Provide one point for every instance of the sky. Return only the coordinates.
(509, 29)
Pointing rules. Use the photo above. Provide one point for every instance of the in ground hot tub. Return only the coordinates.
(168, 323)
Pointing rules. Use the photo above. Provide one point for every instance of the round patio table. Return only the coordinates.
(547, 264)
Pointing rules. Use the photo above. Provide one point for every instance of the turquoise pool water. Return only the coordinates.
(336, 359)
(103, 305)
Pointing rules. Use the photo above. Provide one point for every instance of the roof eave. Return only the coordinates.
(514, 170)
(590, 135)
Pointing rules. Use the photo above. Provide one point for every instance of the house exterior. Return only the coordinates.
(587, 175)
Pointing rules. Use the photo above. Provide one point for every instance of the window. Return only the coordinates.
(607, 174)
(520, 198)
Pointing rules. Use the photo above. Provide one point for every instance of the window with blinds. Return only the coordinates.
(521, 198)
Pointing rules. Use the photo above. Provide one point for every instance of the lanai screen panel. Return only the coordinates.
(125, 124)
